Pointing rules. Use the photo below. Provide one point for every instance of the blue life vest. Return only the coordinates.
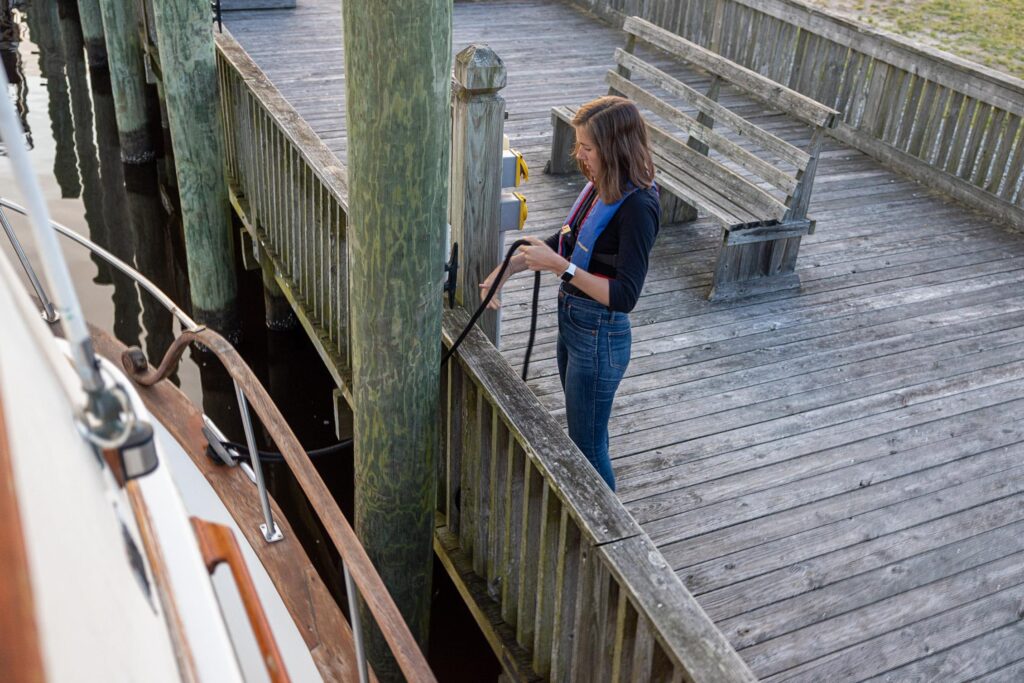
(593, 224)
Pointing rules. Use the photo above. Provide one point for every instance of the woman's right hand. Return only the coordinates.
(516, 265)
(485, 287)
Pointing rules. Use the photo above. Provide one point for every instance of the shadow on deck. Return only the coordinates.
(834, 473)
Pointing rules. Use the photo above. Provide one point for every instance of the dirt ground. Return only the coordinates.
(990, 32)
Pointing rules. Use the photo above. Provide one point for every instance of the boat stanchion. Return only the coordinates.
(270, 530)
(50, 315)
(357, 627)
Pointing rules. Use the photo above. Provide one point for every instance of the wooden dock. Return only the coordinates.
(836, 474)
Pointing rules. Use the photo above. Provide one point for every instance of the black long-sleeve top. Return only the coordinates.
(626, 242)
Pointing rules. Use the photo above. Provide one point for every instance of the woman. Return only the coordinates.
(601, 255)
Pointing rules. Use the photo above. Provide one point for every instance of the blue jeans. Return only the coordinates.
(593, 352)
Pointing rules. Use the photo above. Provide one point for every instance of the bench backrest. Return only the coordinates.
(792, 177)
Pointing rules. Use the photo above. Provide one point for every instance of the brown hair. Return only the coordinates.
(618, 131)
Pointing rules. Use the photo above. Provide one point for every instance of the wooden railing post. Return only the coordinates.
(478, 121)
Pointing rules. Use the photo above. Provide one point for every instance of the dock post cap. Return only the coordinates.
(478, 69)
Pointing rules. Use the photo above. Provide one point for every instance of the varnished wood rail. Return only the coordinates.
(567, 584)
(949, 123)
(292, 194)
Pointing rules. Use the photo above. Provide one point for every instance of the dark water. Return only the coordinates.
(68, 112)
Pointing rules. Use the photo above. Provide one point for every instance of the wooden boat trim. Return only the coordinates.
(218, 545)
(161, 576)
(21, 656)
(323, 626)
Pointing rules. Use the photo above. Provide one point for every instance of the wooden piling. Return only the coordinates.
(478, 120)
(187, 61)
(398, 65)
(92, 32)
(127, 78)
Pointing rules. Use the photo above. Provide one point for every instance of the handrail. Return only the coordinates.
(50, 315)
(372, 590)
(217, 545)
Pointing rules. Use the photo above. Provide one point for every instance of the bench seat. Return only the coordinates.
(760, 203)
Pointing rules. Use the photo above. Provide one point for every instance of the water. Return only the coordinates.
(68, 111)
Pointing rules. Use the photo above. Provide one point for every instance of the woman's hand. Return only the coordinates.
(516, 265)
(539, 256)
(485, 287)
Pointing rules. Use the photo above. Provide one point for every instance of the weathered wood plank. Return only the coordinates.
(875, 656)
(959, 564)
(746, 535)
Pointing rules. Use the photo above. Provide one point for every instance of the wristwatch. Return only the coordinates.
(569, 272)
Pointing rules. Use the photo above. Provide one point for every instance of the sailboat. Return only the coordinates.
(114, 520)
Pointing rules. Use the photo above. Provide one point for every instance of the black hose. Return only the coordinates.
(487, 299)
(533, 323)
(242, 450)
(273, 456)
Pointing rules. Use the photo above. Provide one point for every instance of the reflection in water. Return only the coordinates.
(44, 30)
(151, 228)
(10, 37)
(102, 182)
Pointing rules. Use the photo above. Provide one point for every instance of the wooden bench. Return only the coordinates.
(761, 204)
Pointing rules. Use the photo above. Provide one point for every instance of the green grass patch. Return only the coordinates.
(990, 32)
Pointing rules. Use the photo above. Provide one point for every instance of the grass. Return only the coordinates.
(990, 32)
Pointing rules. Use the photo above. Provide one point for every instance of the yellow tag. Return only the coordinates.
(566, 229)
(522, 210)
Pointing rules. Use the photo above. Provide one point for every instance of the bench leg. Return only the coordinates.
(755, 268)
(675, 210)
(563, 140)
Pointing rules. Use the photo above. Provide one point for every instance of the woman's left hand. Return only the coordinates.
(539, 256)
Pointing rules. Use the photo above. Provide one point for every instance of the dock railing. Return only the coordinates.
(949, 123)
(572, 586)
(563, 581)
(291, 193)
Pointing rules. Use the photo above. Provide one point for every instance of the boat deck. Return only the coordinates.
(836, 473)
